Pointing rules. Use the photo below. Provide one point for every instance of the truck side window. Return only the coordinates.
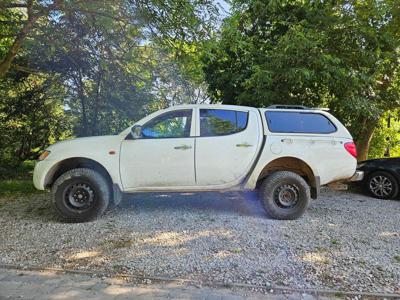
(298, 122)
(174, 124)
(216, 122)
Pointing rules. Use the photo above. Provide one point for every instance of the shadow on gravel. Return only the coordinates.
(39, 207)
(28, 206)
(232, 203)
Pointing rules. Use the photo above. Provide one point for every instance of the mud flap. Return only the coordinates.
(117, 195)
(315, 190)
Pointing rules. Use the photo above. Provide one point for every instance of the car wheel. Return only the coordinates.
(285, 195)
(382, 185)
(80, 195)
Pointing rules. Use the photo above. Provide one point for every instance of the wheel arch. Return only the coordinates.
(293, 164)
(72, 163)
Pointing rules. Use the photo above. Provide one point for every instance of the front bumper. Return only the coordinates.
(358, 176)
(42, 168)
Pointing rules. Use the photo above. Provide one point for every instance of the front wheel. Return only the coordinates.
(285, 195)
(81, 195)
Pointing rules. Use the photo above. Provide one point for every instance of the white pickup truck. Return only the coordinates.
(285, 152)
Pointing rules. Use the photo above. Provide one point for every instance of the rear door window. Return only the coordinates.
(217, 122)
(298, 122)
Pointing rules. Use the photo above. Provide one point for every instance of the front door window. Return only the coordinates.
(175, 124)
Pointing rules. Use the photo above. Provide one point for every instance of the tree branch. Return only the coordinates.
(14, 5)
(12, 52)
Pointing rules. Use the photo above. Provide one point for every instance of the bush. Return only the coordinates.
(24, 171)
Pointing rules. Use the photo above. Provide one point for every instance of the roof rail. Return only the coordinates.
(288, 106)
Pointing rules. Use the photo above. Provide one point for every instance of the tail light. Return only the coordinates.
(351, 148)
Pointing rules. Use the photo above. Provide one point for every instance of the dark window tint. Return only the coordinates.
(214, 122)
(175, 124)
(298, 122)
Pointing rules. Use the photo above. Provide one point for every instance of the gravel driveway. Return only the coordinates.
(345, 241)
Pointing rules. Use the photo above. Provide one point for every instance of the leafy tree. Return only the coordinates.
(97, 59)
(24, 15)
(170, 22)
(71, 67)
(176, 82)
(31, 117)
(340, 54)
(102, 52)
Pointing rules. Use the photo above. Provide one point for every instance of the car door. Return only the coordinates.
(163, 157)
(227, 145)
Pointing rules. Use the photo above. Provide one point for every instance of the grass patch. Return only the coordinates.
(23, 171)
(17, 179)
(17, 187)
(334, 242)
(321, 249)
(362, 263)
(339, 294)
(397, 258)
(236, 250)
(122, 244)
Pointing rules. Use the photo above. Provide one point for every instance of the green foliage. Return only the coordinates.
(340, 54)
(386, 139)
(94, 67)
(304, 52)
(11, 21)
(23, 171)
(17, 186)
(98, 59)
(31, 117)
(17, 179)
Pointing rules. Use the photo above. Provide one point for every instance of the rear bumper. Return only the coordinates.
(358, 176)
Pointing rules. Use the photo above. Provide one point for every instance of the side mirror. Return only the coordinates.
(136, 132)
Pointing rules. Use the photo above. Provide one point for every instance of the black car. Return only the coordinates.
(381, 177)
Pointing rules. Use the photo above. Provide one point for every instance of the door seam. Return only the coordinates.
(194, 161)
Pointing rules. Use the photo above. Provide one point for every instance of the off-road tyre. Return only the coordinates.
(280, 186)
(77, 185)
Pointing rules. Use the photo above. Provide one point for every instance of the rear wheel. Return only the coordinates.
(285, 195)
(81, 195)
(382, 185)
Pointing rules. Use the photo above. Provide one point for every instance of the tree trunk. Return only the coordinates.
(82, 99)
(5, 64)
(97, 102)
(364, 139)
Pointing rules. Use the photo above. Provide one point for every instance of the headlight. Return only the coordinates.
(43, 155)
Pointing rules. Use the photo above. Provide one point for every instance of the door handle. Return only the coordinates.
(289, 141)
(183, 147)
(245, 145)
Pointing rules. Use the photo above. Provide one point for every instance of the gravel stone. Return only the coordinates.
(344, 241)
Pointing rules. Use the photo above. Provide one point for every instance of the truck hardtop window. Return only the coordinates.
(218, 122)
(299, 122)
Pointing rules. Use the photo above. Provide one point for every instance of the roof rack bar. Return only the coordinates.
(287, 106)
